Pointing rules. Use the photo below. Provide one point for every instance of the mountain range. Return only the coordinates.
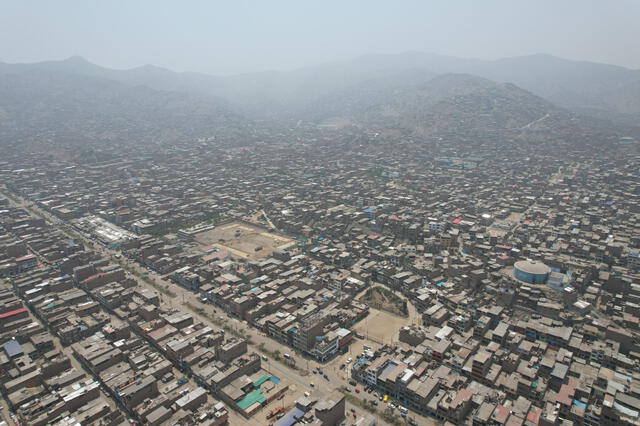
(418, 92)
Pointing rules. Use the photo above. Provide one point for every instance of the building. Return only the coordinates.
(531, 272)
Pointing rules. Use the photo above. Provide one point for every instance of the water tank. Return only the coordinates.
(531, 272)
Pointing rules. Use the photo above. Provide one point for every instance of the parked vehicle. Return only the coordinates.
(274, 412)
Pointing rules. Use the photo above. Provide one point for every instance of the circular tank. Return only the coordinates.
(531, 272)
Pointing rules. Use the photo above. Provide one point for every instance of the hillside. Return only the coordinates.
(599, 90)
(372, 102)
(62, 109)
(461, 106)
(73, 104)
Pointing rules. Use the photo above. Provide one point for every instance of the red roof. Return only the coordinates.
(12, 313)
(27, 257)
(94, 276)
(501, 413)
(565, 395)
(533, 417)
(457, 220)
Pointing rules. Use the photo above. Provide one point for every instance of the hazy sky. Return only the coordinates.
(223, 37)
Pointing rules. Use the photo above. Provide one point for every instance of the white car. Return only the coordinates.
(349, 360)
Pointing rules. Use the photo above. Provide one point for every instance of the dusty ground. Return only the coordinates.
(381, 327)
(244, 241)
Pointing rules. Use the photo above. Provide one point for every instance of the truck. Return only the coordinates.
(274, 412)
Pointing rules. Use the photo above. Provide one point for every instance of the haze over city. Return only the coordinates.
(330, 213)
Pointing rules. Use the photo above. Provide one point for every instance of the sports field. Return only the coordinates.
(246, 241)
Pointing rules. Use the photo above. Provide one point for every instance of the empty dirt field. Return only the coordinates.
(239, 239)
(381, 327)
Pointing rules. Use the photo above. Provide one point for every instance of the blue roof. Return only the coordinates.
(291, 417)
(360, 360)
(579, 404)
(12, 348)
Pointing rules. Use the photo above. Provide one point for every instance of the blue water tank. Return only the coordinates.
(531, 272)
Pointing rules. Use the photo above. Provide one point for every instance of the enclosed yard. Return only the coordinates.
(246, 241)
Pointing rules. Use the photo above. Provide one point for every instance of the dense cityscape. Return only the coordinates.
(326, 213)
(323, 280)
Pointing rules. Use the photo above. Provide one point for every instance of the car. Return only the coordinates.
(307, 394)
(347, 389)
(325, 376)
(352, 382)
(374, 402)
(357, 390)
(312, 385)
(349, 360)
(314, 372)
(287, 356)
(353, 410)
(369, 390)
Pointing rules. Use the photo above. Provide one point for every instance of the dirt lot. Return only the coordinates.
(381, 327)
(243, 240)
